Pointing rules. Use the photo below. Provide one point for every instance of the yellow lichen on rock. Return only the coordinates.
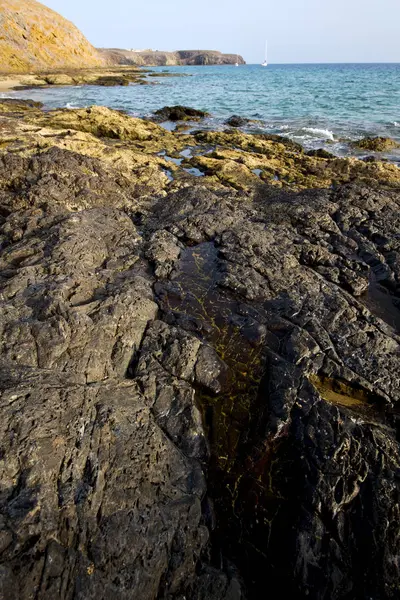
(283, 163)
(153, 157)
(104, 122)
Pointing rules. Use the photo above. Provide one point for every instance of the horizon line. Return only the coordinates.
(347, 62)
(331, 62)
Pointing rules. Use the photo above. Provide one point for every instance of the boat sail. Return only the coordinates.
(265, 63)
(237, 60)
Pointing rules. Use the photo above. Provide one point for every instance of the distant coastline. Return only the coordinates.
(159, 58)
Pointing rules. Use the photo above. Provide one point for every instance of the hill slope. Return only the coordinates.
(34, 37)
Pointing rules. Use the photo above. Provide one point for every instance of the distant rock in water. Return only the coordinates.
(34, 37)
(180, 57)
(236, 121)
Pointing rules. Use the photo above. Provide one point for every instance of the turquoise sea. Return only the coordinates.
(318, 105)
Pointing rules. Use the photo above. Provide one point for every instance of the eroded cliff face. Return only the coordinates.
(160, 58)
(199, 380)
(34, 37)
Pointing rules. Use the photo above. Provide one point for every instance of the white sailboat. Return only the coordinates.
(237, 60)
(265, 63)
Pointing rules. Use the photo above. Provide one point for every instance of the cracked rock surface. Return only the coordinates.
(199, 384)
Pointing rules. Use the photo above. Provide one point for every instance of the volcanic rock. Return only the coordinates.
(236, 121)
(199, 384)
(376, 144)
(178, 113)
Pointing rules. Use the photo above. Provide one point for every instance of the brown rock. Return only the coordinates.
(376, 144)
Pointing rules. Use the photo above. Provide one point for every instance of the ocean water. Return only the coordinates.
(317, 105)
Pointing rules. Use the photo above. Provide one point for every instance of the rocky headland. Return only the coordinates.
(33, 37)
(177, 58)
(199, 364)
(37, 40)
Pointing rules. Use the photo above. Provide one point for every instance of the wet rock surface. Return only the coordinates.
(376, 144)
(178, 113)
(199, 383)
(236, 121)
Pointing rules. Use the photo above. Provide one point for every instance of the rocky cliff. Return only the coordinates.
(34, 37)
(199, 376)
(159, 58)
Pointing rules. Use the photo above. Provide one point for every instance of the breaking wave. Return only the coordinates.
(325, 133)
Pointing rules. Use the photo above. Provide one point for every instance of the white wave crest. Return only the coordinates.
(71, 106)
(320, 132)
(396, 124)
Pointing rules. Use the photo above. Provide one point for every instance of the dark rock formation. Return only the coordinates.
(236, 121)
(320, 153)
(199, 386)
(178, 113)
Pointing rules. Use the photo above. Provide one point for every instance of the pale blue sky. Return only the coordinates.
(297, 30)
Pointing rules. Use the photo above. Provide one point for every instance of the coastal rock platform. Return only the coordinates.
(199, 366)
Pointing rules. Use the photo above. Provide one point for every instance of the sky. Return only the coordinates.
(298, 31)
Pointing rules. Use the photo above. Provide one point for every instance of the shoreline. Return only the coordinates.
(330, 136)
(7, 86)
(229, 157)
(102, 76)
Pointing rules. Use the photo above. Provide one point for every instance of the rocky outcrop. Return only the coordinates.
(108, 76)
(34, 37)
(178, 113)
(159, 58)
(376, 144)
(237, 121)
(199, 383)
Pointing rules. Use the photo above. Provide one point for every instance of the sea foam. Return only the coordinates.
(320, 132)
